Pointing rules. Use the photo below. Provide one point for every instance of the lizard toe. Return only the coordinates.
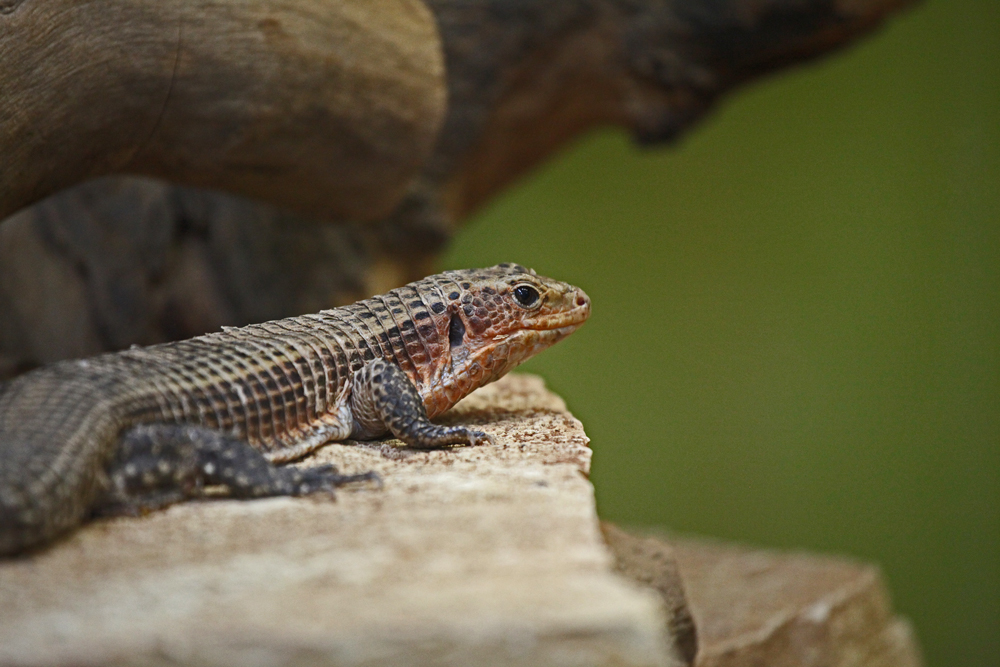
(478, 438)
(326, 478)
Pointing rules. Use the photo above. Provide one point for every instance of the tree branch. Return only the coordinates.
(324, 106)
(143, 261)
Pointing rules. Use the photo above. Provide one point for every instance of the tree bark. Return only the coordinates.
(525, 78)
(327, 107)
(155, 261)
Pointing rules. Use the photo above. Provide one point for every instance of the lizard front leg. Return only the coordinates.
(160, 464)
(383, 399)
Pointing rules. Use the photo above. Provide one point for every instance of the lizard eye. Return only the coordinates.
(525, 295)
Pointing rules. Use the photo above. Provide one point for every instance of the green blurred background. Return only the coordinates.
(796, 329)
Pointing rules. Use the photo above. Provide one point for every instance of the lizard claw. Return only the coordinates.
(479, 438)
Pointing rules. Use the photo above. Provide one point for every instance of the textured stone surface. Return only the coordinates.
(754, 607)
(485, 556)
(651, 563)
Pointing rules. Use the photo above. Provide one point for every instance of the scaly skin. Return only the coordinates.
(141, 428)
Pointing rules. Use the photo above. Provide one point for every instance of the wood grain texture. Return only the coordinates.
(166, 261)
(324, 106)
(525, 78)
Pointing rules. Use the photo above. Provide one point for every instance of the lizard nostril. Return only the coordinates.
(581, 300)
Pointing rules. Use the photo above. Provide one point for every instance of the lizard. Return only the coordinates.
(139, 429)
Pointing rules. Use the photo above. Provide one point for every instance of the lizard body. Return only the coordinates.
(148, 426)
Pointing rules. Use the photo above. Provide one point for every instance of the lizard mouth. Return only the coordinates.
(568, 320)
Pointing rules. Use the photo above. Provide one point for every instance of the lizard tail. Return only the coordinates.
(56, 435)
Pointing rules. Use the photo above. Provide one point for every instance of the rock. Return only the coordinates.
(475, 556)
(756, 607)
(651, 563)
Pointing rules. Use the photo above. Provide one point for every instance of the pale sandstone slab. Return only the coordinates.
(485, 556)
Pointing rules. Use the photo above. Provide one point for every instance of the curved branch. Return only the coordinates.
(325, 106)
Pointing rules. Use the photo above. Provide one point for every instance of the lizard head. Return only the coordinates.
(498, 317)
